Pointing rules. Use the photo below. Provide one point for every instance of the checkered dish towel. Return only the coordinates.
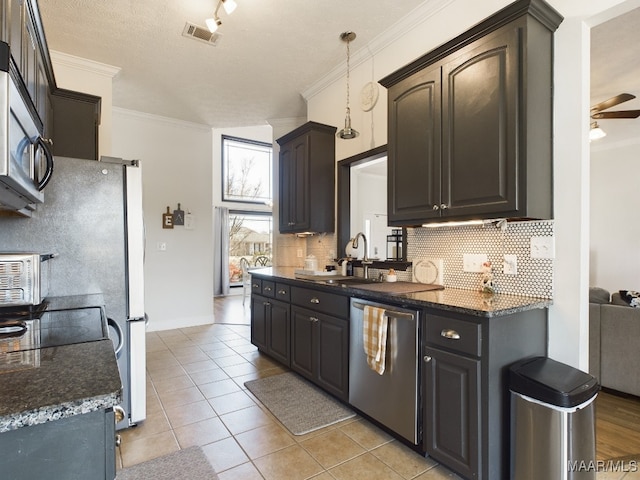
(374, 336)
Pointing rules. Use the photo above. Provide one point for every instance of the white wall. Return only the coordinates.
(434, 23)
(615, 229)
(176, 168)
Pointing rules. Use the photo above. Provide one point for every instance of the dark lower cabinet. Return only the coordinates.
(452, 423)
(270, 327)
(320, 349)
(81, 447)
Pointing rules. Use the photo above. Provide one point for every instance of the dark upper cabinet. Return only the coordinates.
(470, 123)
(70, 119)
(307, 179)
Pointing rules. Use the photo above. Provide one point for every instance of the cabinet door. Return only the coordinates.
(480, 113)
(279, 331)
(294, 191)
(333, 355)
(452, 410)
(259, 321)
(303, 351)
(414, 148)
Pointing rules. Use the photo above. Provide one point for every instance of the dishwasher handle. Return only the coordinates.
(390, 312)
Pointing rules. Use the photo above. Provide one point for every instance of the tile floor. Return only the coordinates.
(196, 396)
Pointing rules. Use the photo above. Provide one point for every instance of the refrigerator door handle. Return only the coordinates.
(112, 323)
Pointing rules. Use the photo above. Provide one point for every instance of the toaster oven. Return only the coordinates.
(24, 279)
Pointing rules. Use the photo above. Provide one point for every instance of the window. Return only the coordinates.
(246, 171)
(250, 238)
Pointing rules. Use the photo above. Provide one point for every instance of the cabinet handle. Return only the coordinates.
(313, 319)
(436, 207)
(282, 292)
(450, 334)
(314, 300)
(255, 285)
(443, 206)
(266, 304)
(267, 289)
(427, 358)
(291, 224)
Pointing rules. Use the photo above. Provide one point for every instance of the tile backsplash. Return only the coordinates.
(534, 275)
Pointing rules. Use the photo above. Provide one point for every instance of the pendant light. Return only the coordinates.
(596, 133)
(347, 132)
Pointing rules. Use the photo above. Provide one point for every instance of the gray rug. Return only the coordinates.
(298, 404)
(189, 463)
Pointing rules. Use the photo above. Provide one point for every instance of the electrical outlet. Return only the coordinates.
(299, 253)
(543, 247)
(162, 246)
(472, 262)
(510, 265)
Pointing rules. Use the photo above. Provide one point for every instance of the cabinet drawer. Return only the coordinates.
(453, 334)
(268, 288)
(283, 292)
(324, 302)
(256, 285)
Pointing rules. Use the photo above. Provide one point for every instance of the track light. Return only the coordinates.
(214, 22)
(596, 133)
(229, 6)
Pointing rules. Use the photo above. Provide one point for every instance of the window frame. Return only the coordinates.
(224, 165)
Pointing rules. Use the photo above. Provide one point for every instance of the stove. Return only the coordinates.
(24, 334)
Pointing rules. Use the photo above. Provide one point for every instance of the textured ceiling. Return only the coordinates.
(615, 68)
(269, 51)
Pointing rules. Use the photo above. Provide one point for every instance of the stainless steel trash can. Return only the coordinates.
(552, 421)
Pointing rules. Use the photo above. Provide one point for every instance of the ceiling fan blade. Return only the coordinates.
(618, 114)
(612, 102)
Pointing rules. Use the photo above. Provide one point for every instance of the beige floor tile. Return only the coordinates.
(264, 440)
(229, 360)
(403, 460)
(364, 467)
(192, 357)
(147, 448)
(291, 463)
(201, 366)
(180, 397)
(209, 376)
(366, 434)
(231, 402)
(165, 385)
(241, 369)
(224, 454)
(167, 372)
(332, 448)
(154, 423)
(201, 433)
(438, 473)
(246, 471)
(218, 388)
(153, 404)
(191, 413)
(245, 419)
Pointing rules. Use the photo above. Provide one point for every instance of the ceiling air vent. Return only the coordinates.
(200, 33)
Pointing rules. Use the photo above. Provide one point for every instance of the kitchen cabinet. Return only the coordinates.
(466, 402)
(320, 338)
(469, 128)
(270, 319)
(81, 446)
(307, 179)
(76, 119)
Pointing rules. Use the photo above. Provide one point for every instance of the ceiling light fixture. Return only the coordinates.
(347, 132)
(596, 133)
(214, 22)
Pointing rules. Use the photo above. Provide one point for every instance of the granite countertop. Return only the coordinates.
(70, 380)
(467, 302)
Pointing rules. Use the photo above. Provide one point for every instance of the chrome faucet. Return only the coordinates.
(365, 259)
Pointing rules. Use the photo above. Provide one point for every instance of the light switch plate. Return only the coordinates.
(510, 264)
(543, 247)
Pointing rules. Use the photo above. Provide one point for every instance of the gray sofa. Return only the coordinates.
(614, 341)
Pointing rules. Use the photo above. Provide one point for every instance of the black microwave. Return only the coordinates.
(26, 161)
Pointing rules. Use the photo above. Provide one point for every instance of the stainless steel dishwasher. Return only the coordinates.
(391, 398)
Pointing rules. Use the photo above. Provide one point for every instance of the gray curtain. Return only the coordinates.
(221, 251)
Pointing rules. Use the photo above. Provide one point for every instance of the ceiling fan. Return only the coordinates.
(598, 114)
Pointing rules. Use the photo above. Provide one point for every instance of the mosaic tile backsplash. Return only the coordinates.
(534, 275)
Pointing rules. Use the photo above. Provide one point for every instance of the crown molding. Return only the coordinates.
(84, 64)
(160, 119)
(399, 29)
